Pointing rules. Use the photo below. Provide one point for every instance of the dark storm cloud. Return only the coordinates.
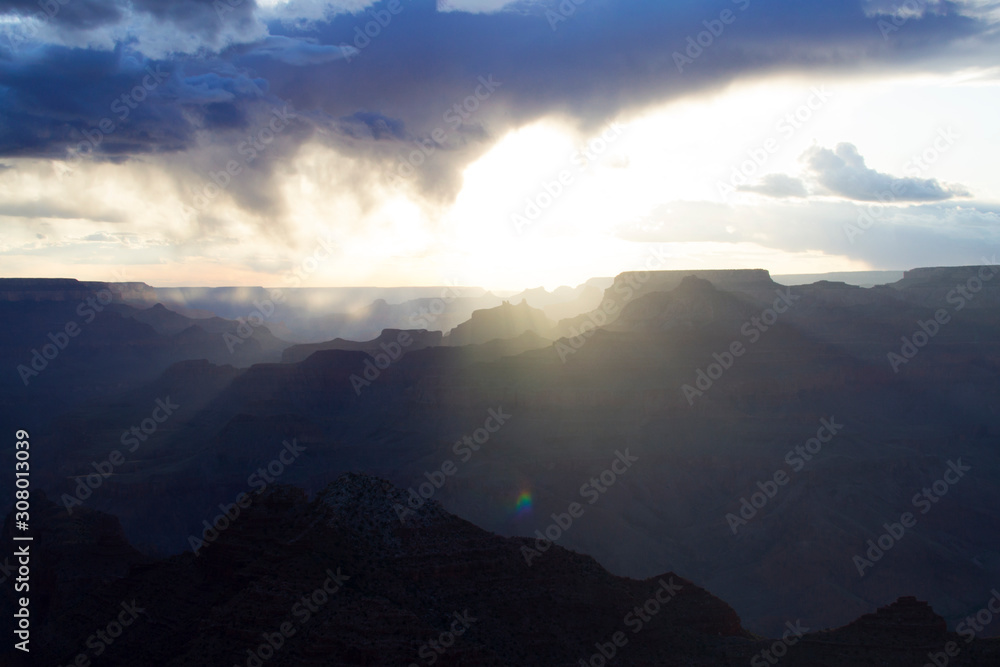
(415, 64)
(105, 103)
(205, 17)
(605, 58)
(83, 14)
(46, 103)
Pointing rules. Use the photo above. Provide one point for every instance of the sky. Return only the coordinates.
(502, 144)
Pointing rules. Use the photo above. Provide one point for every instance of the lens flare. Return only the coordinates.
(524, 503)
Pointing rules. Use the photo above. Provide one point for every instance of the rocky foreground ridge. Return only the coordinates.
(353, 577)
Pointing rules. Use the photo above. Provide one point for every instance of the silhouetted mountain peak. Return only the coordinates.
(835, 285)
(695, 285)
(505, 321)
(906, 622)
(373, 507)
(694, 303)
(632, 286)
(85, 545)
(408, 340)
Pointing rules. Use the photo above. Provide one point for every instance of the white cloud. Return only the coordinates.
(843, 172)
(778, 185)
